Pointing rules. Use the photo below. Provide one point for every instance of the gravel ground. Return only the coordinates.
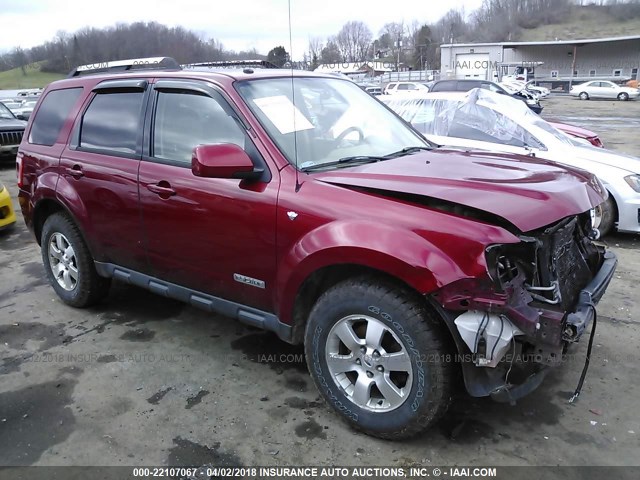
(142, 379)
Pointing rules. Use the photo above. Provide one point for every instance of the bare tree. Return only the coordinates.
(316, 44)
(354, 40)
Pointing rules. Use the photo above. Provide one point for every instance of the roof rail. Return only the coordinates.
(227, 64)
(122, 66)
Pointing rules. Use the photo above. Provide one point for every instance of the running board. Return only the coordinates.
(249, 315)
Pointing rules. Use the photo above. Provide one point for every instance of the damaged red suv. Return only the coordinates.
(298, 203)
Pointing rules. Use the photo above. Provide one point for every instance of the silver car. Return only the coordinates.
(603, 89)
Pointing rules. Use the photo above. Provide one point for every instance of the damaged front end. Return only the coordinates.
(540, 297)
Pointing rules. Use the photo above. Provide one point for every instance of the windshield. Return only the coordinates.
(6, 113)
(316, 121)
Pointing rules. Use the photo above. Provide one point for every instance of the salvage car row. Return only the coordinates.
(306, 207)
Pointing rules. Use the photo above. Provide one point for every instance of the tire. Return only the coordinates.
(68, 263)
(584, 96)
(623, 97)
(608, 216)
(423, 375)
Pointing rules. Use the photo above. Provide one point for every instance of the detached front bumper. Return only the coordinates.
(589, 297)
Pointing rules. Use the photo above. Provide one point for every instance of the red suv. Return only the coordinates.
(298, 203)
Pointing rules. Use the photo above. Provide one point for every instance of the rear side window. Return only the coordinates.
(112, 122)
(53, 112)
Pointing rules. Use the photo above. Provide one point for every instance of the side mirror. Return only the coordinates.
(21, 116)
(223, 160)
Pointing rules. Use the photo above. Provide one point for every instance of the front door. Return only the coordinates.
(208, 234)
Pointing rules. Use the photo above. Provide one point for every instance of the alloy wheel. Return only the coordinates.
(369, 363)
(62, 261)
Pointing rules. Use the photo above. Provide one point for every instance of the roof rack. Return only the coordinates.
(228, 64)
(122, 66)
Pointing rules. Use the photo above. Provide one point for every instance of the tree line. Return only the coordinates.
(122, 41)
(404, 45)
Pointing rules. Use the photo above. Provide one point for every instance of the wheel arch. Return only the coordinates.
(49, 206)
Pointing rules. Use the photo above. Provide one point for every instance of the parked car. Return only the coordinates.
(483, 120)
(374, 90)
(7, 215)
(603, 89)
(23, 112)
(313, 211)
(468, 84)
(578, 134)
(11, 130)
(404, 88)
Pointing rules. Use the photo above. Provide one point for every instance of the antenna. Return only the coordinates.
(293, 100)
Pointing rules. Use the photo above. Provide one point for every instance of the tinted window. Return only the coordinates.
(185, 120)
(53, 111)
(444, 86)
(466, 86)
(403, 86)
(112, 122)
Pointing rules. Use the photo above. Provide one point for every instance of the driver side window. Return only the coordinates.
(186, 119)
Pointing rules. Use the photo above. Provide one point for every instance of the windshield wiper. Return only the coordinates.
(362, 159)
(407, 151)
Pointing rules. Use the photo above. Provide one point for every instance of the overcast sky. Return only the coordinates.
(238, 24)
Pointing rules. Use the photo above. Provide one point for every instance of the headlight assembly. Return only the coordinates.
(633, 181)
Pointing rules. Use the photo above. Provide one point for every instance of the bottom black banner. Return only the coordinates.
(320, 472)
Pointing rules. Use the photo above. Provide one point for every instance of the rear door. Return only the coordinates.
(99, 171)
(208, 234)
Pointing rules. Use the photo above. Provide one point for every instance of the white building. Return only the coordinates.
(553, 62)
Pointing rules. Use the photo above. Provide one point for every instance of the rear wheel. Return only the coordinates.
(68, 263)
(623, 96)
(584, 96)
(378, 357)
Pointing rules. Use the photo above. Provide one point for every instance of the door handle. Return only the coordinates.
(75, 171)
(162, 188)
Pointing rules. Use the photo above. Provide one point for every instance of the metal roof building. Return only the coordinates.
(614, 58)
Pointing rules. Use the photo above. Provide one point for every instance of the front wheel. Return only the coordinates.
(623, 97)
(68, 263)
(584, 96)
(608, 215)
(378, 357)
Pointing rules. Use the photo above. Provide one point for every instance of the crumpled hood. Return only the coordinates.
(527, 192)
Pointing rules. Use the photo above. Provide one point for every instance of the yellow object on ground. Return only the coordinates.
(7, 214)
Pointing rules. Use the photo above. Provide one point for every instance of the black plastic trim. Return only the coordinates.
(578, 321)
(135, 84)
(249, 315)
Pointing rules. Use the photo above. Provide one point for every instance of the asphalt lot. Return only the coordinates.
(146, 380)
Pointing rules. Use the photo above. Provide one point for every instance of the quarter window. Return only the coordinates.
(53, 111)
(185, 120)
(112, 122)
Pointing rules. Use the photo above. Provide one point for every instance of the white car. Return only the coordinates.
(603, 89)
(405, 88)
(480, 119)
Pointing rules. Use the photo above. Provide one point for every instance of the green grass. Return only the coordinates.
(32, 78)
(584, 22)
